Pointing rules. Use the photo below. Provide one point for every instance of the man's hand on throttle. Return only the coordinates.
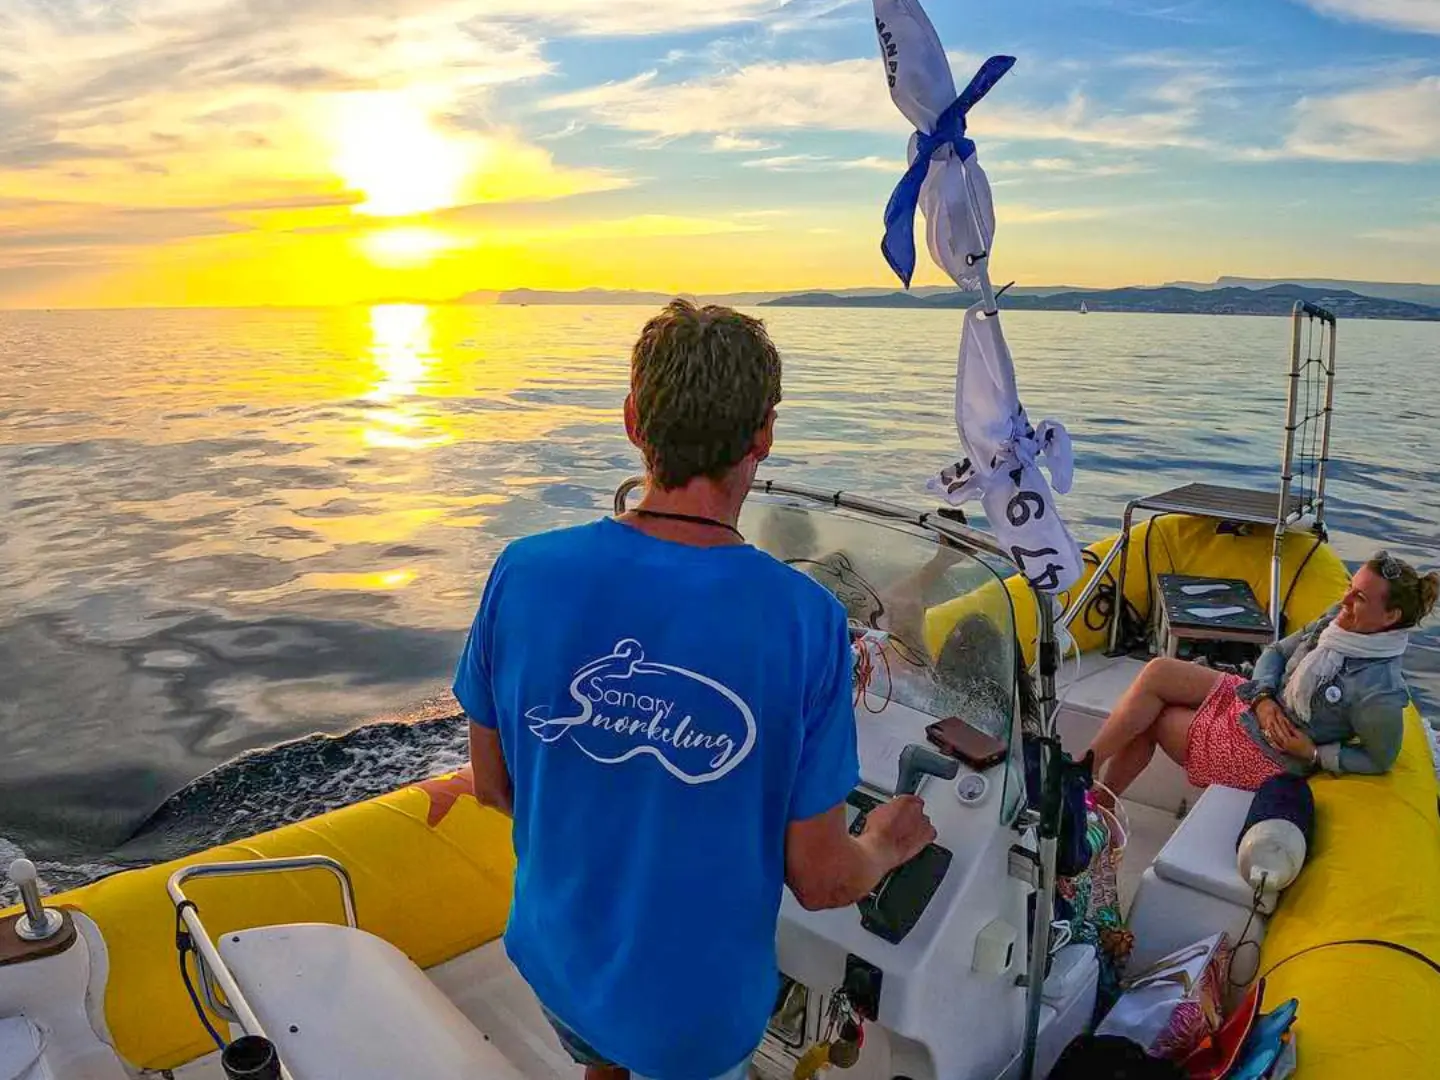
(898, 830)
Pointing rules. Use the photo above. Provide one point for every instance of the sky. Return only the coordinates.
(237, 152)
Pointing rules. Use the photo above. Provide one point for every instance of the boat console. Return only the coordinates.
(930, 967)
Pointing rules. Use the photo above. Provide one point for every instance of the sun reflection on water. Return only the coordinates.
(401, 348)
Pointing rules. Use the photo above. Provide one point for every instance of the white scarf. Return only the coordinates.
(1311, 668)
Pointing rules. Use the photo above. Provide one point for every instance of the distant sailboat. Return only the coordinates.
(1083, 309)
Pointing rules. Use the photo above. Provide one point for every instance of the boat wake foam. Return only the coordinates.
(265, 789)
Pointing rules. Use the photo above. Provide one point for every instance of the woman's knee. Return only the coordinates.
(1162, 672)
(1177, 682)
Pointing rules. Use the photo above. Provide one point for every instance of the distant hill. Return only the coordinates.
(1169, 299)
(607, 297)
(1413, 293)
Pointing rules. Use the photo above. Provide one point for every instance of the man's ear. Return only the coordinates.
(764, 438)
(632, 423)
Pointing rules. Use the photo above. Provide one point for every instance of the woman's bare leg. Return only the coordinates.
(1127, 739)
(1172, 732)
(1122, 769)
(1163, 682)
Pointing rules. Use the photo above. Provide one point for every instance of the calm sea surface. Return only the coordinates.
(225, 530)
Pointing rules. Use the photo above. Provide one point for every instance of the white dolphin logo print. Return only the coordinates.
(695, 727)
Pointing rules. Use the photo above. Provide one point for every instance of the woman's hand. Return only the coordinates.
(1271, 719)
(1296, 744)
(1280, 733)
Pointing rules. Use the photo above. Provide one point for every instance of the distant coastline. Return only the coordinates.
(1225, 296)
(1166, 300)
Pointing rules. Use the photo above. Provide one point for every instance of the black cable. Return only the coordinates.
(1404, 950)
(1280, 615)
(1100, 608)
(1149, 578)
(1240, 942)
(183, 945)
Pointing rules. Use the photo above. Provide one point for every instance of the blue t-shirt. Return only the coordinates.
(665, 711)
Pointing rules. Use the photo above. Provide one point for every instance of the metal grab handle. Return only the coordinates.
(267, 866)
(213, 969)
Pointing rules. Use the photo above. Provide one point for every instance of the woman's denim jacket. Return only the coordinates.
(1357, 719)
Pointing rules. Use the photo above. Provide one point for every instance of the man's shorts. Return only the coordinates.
(584, 1054)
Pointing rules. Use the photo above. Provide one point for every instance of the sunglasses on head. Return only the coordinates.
(1390, 567)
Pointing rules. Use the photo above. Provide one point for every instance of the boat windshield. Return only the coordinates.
(946, 641)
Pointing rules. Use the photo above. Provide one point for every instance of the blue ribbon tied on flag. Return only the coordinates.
(898, 246)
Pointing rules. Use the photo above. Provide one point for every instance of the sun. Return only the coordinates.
(388, 147)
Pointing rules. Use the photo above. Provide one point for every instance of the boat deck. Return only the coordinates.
(487, 988)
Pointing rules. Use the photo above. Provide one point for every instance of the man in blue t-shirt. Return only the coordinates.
(666, 713)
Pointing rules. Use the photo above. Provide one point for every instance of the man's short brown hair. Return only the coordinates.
(703, 381)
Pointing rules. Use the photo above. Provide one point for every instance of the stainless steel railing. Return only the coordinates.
(213, 972)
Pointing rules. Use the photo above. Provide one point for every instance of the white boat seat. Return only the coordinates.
(343, 1004)
(1193, 888)
(1200, 853)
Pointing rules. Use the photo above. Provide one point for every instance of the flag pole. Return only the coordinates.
(1048, 830)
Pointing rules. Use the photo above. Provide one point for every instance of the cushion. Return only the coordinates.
(1200, 853)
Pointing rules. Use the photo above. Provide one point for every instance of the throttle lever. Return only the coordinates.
(918, 761)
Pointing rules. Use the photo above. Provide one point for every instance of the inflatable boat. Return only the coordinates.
(365, 942)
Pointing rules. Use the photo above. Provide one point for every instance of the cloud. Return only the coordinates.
(824, 163)
(1070, 167)
(635, 227)
(515, 171)
(1421, 15)
(770, 96)
(1020, 214)
(1427, 233)
(632, 18)
(83, 77)
(727, 143)
(178, 103)
(1399, 123)
(846, 95)
(790, 163)
(54, 228)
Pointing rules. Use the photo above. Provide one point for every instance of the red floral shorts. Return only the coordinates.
(1219, 750)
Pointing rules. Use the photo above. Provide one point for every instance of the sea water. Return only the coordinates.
(228, 535)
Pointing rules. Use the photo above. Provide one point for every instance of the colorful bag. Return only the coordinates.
(1114, 827)
(1216, 1054)
(1170, 1008)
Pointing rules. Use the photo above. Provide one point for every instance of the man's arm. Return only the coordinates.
(826, 867)
(491, 776)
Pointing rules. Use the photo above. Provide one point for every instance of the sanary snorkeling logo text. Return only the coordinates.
(695, 727)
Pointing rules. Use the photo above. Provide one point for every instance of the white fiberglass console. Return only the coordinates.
(923, 979)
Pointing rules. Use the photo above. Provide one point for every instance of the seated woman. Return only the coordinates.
(1328, 697)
